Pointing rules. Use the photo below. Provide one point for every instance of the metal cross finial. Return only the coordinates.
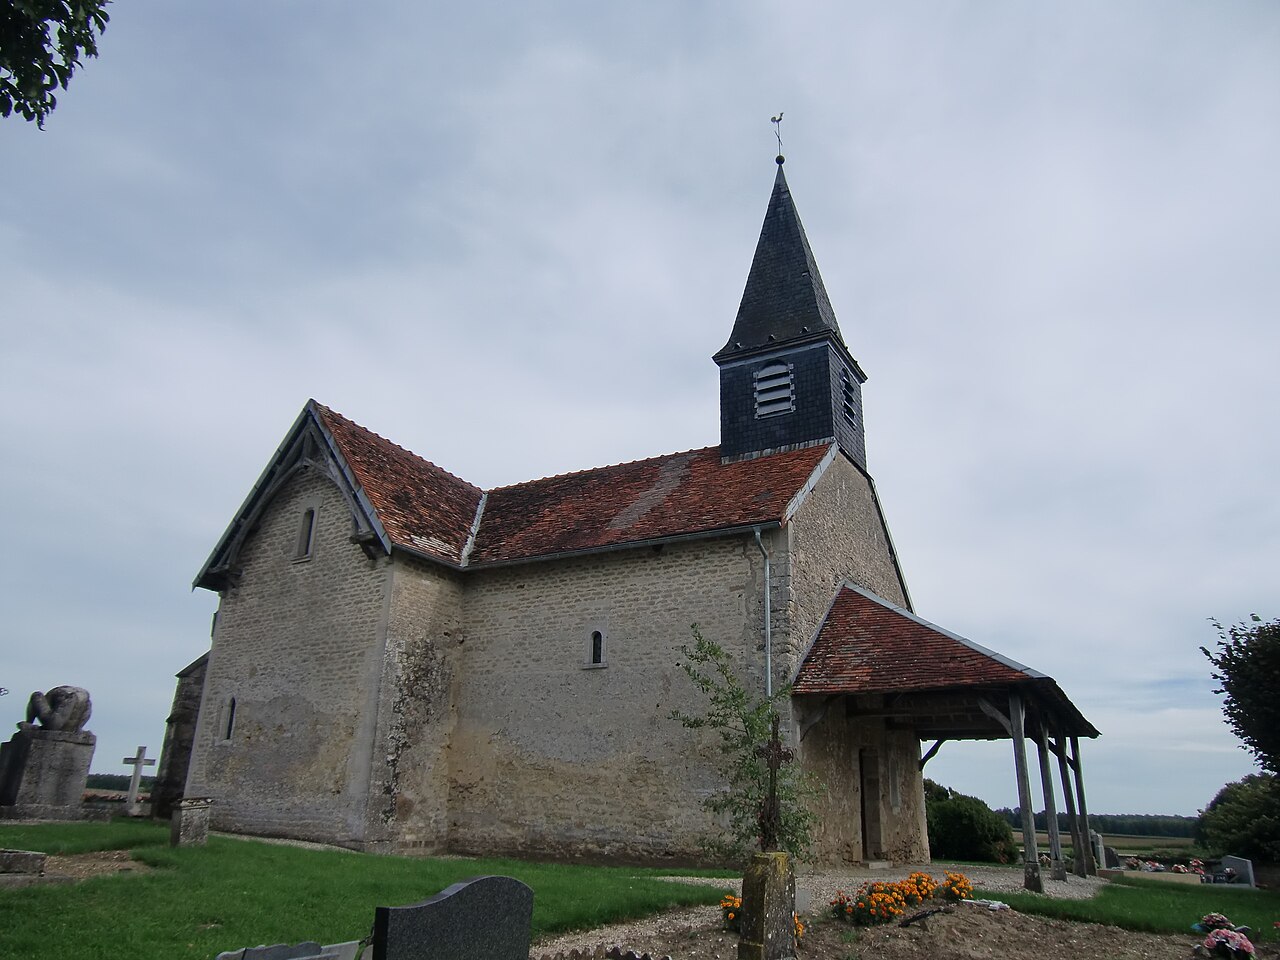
(774, 755)
(777, 130)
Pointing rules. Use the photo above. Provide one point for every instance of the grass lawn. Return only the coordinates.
(1155, 907)
(236, 893)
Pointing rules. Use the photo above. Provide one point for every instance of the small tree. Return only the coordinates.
(41, 42)
(744, 725)
(1247, 665)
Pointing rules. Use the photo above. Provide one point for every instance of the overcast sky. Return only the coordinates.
(510, 236)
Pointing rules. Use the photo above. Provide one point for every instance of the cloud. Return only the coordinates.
(510, 240)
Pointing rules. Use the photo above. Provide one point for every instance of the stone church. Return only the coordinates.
(402, 661)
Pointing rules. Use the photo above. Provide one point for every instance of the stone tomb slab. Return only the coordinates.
(307, 950)
(484, 918)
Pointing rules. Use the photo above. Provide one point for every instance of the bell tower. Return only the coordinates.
(787, 379)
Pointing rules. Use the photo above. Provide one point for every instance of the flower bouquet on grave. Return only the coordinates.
(1212, 921)
(1229, 943)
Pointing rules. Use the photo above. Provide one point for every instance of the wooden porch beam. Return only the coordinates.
(932, 752)
(1057, 869)
(1078, 842)
(996, 714)
(1091, 864)
(1030, 856)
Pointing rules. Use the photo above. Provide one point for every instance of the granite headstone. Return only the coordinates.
(484, 918)
(1242, 867)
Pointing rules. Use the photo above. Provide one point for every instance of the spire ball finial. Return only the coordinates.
(779, 159)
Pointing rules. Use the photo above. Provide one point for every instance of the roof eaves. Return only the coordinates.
(258, 487)
(357, 489)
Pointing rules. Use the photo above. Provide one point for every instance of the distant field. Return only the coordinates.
(1130, 845)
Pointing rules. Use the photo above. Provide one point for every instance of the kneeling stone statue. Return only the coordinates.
(43, 767)
(63, 708)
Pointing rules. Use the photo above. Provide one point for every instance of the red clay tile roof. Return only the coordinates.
(681, 493)
(420, 506)
(868, 645)
(428, 510)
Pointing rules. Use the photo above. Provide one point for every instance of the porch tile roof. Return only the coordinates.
(867, 645)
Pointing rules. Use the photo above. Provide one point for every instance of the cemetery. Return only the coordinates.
(233, 894)
(77, 884)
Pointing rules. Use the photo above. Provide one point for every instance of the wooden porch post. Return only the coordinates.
(1057, 868)
(1077, 843)
(1030, 857)
(1090, 864)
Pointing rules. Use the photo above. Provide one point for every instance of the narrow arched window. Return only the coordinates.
(306, 534)
(594, 649)
(229, 726)
(774, 390)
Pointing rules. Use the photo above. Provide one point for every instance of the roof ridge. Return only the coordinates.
(606, 466)
(391, 443)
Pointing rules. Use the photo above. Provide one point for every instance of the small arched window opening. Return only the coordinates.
(595, 649)
(847, 398)
(774, 390)
(306, 535)
(229, 726)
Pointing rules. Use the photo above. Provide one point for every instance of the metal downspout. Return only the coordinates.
(768, 618)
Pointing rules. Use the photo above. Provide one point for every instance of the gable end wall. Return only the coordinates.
(298, 645)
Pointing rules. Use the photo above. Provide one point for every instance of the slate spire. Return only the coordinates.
(787, 380)
(784, 299)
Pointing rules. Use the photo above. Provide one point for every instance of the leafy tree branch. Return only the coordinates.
(1247, 667)
(41, 43)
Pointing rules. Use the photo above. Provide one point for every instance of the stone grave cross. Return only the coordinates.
(137, 761)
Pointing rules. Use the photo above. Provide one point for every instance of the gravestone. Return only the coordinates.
(1242, 867)
(485, 918)
(137, 761)
(1112, 858)
(43, 768)
(189, 822)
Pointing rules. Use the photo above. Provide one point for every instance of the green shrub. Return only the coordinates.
(965, 828)
(1244, 819)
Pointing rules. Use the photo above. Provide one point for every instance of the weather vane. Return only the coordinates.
(777, 132)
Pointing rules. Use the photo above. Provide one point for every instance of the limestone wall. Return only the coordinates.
(298, 646)
(554, 756)
(409, 789)
(179, 738)
(836, 748)
(836, 535)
